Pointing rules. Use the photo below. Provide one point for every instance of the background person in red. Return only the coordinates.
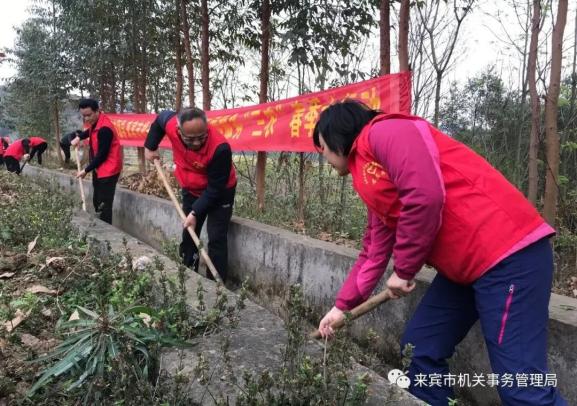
(25, 149)
(4, 142)
(432, 200)
(105, 157)
(205, 172)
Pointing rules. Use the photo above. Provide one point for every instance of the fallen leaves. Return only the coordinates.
(31, 245)
(36, 344)
(15, 322)
(148, 183)
(42, 289)
(54, 262)
(12, 263)
(7, 275)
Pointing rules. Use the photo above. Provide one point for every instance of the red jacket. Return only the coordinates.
(191, 166)
(433, 200)
(113, 163)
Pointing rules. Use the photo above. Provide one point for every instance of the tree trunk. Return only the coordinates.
(57, 135)
(204, 57)
(533, 183)
(404, 16)
(437, 97)
(551, 184)
(188, 52)
(178, 60)
(301, 196)
(123, 86)
(263, 97)
(179, 79)
(573, 77)
(385, 28)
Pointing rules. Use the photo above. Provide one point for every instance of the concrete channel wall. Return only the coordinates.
(272, 259)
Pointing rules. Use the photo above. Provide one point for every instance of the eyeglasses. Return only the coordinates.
(193, 139)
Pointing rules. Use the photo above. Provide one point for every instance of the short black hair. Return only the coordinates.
(341, 123)
(190, 113)
(85, 103)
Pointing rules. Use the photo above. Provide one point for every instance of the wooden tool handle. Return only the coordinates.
(365, 307)
(80, 180)
(195, 238)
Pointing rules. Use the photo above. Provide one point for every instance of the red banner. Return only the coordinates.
(284, 125)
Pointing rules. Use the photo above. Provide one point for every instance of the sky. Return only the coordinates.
(480, 42)
(13, 14)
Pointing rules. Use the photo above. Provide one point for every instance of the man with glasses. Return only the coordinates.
(205, 172)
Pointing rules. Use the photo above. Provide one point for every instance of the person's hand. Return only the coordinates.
(75, 141)
(151, 155)
(400, 287)
(334, 315)
(26, 157)
(81, 174)
(190, 221)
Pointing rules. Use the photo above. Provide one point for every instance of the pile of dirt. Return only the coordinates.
(149, 183)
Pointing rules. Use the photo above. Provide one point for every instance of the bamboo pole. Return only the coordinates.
(79, 179)
(195, 238)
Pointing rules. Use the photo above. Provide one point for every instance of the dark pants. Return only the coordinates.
(1, 161)
(217, 229)
(511, 301)
(12, 164)
(65, 147)
(103, 195)
(39, 150)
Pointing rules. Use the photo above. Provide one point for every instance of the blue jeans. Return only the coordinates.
(511, 301)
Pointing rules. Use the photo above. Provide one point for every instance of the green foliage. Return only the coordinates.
(101, 347)
(22, 221)
(305, 378)
(332, 210)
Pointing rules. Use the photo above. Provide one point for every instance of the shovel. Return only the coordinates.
(80, 180)
(195, 238)
(365, 307)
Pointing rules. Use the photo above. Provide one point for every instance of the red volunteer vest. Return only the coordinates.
(191, 165)
(113, 163)
(483, 217)
(35, 141)
(15, 150)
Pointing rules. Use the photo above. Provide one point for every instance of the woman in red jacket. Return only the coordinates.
(432, 200)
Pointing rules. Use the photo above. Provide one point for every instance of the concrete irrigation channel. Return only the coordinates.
(272, 259)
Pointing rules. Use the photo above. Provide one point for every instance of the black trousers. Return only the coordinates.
(1, 160)
(65, 147)
(218, 220)
(103, 195)
(39, 150)
(12, 164)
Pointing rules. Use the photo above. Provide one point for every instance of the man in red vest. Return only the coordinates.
(432, 200)
(105, 157)
(25, 149)
(205, 172)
